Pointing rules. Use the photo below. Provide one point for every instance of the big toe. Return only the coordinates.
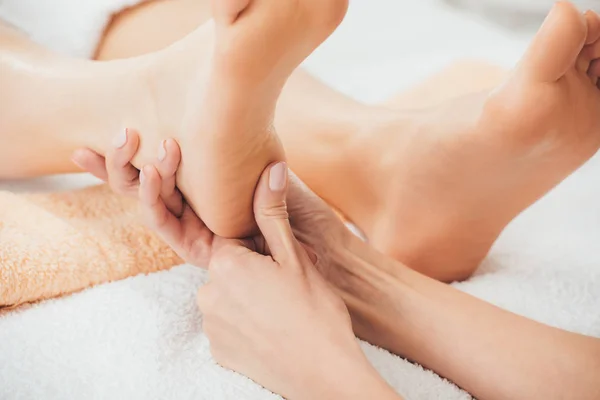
(557, 44)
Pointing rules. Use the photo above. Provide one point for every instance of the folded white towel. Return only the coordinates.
(71, 27)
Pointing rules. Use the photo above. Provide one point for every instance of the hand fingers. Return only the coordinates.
(92, 162)
(123, 177)
(169, 157)
(270, 211)
(156, 213)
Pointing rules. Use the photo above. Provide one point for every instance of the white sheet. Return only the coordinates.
(141, 338)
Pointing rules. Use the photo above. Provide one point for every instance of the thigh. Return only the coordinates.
(151, 26)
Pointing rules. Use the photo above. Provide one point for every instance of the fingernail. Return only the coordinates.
(142, 176)
(74, 161)
(120, 140)
(162, 150)
(278, 177)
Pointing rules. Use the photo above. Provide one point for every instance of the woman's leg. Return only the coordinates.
(406, 177)
(51, 105)
(316, 124)
(424, 185)
(199, 84)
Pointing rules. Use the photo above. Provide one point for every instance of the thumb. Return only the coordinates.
(270, 212)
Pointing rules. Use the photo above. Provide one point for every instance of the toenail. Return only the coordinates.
(278, 177)
(120, 140)
(162, 151)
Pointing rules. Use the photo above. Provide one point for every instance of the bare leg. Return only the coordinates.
(317, 125)
(498, 153)
(350, 154)
(434, 188)
(51, 105)
(314, 122)
(181, 94)
(388, 170)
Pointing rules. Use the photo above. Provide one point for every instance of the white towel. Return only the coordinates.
(72, 27)
(141, 338)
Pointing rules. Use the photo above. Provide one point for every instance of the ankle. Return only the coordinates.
(374, 153)
(120, 101)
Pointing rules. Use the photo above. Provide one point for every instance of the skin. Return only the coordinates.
(383, 169)
(195, 90)
(475, 161)
(390, 305)
(225, 137)
(283, 282)
(385, 297)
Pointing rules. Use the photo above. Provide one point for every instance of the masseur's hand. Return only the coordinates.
(313, 222)
(271, 316)
(122, 177)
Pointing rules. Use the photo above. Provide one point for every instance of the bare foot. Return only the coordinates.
(226, 131)
(442, 198)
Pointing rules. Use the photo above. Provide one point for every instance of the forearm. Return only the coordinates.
(492, 353)
(51, 105)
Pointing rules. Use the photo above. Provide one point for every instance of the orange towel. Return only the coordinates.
(59, 243)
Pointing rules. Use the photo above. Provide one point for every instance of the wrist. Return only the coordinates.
(363, 274)
(376, 290)
(352, 378)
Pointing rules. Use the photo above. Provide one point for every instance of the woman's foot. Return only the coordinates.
(226, 135)
(442, 194)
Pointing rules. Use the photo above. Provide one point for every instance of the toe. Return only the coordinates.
(228, 11)
(590, 53)
(594, 70)
(557, 44)
(592, 20)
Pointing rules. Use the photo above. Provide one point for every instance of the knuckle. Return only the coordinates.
(224, 266)
(274, 211)
(227, 261)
